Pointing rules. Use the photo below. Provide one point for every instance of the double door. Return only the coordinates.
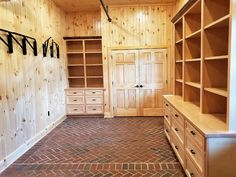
(139, 78)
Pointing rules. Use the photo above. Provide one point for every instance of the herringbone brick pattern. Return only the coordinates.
(93, 147)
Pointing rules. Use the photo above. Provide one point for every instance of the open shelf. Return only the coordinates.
(216, 41)
(75, 59)
(214, 10)
(94, 71)
(178, 71)
(192, 94)
(193, 72)
(222, 57)
(192, 48)
(216, 76)
(179, 51)
(179, 30)
(93, 58)
(218, 91)
(74, 46)
(94, 82)
(76, 71)
(196, 34)
(178, 88)
(93, 46)
(179, 80)
(214, 103)
(193, 19)
(193, 60)
(193, 84)
(76, 82)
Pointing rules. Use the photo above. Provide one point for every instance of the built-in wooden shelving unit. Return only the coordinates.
(202, 56)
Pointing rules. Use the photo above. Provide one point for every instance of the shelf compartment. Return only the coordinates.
(196, 34)
(222, 22)
(192, 71)
(216, 41)
(193, 19)
(76, 71)
(75, 59)
(93, 58)
(192, 94)
(76, 82)
(214, 103)
(94, 82)
(74, 46)
(193, 84)
(93, 46)
(179, 51)
(215, 74)
(179, 30)
(178, 71)
(178, 88)
(94, 71)
(192, 48)
(215, 9)
(218, 91)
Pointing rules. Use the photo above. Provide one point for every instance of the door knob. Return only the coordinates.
(137, 86)
(141, 86)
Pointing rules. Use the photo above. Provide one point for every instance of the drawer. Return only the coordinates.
(75, 92)
(166, 105)
(75, 99)
(179, 150)
(94, 109)
(177, 117)
(191, 169)
(94, 100)
(178, 131)
(75, 109)
(94, 92)
(195, 135)
(196, 154)
(167, 129)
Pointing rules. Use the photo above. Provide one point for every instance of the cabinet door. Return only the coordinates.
(152, 69)
(125, 79)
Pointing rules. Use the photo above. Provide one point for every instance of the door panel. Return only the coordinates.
(125, 78)
(152, 77)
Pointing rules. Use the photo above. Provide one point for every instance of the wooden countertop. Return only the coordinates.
(210, 125)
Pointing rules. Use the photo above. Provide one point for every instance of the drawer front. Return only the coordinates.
(195, 153)
(178, 131)
(191, 169)
(94, 92)
(75, 109)
(167, 129)
(178, 117)
(75, 92)
(179, 150)
(94, 100)
(94, 109)
(75, 99)
(195, 135)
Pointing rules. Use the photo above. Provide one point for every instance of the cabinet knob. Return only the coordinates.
(192, 151)
(167, 105)
(137, 86)
(191, 174)
(93, 99)
(176, 115)
(176, 147)
(75, 109)
(167, 131)
(167, 116)
(193, 133)
(176, 129)
(74, 93)
(94, 109)
(75, 100)
(93, 92)
(141, 86)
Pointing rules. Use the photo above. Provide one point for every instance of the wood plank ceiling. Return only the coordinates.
(89, 5)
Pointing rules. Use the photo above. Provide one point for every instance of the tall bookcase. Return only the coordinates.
(84, 94)
(202, 56)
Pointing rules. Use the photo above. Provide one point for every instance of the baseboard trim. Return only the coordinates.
(11, 158)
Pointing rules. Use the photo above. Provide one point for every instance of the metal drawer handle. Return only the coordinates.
(176, 147)
(192, 151)
(93, 99)
(191, 174)
(193, 133)
(176, 129)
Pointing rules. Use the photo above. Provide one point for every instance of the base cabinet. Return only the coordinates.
(84, 101)
(202, 152)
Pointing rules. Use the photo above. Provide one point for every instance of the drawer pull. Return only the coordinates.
(167, 116)
(74, 92)
(94, 109)
(167, 105)
(93, 92)
(176, 115)
(167, 131)
(176, 147)
(192, 151)
(191, 174)
(193, 133)
(176, 129)
(75, 109)
(93, 99)
(75, 100)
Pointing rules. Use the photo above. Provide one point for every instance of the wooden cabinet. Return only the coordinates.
(201, 142)
(138, 81)
(85, 76)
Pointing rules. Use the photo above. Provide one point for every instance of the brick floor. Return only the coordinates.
(95, 147)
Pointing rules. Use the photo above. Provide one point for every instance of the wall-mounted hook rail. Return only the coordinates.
(23, 44)
(45, 48)
(105, 8)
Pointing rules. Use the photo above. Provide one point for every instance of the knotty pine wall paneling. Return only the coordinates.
(140, 26)
(30, 86)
